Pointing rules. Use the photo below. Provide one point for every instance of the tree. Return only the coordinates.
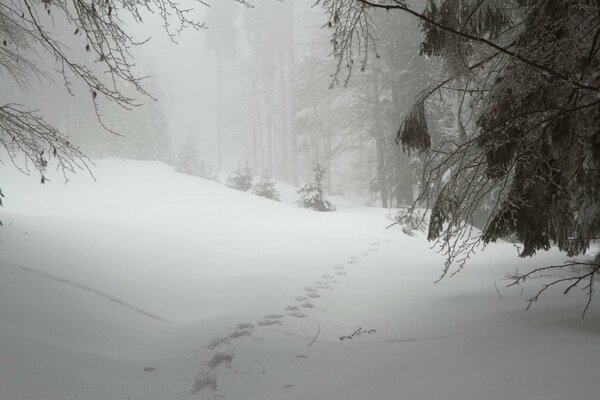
(311, 194)
(241, 179)
(87, 43)
(30, 38)
(269, 32)
(321, 121)
(222, 38)
(528, 75)
(265, 187)
(188, 159)
(381, 96)
(143, 129)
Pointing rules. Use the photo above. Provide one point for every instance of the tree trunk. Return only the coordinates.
(291, 75)
(284, 121)
(380, 146)
(219, 105)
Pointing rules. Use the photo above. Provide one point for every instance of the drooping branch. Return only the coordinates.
(24, 133)
(400, 5)
(103, 64)
(587, 276)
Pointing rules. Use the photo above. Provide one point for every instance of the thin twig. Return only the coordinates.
(497, 290)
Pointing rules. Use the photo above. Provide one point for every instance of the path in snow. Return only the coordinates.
(223, 351)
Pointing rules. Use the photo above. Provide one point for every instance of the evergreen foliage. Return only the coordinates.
(241, 179)
(524, 157)
(95, 63)
(188, 161)
(311, 194)
(265, 187)
(537, 121)
(528, 73)
(144, 129)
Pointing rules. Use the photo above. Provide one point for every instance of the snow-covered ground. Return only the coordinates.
(150, 284)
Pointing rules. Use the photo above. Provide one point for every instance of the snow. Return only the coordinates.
(149, 284)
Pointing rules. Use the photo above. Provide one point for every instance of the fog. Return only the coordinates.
(299, 199)
(255, 86)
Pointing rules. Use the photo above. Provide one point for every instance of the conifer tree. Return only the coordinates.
(311, 194)
(188, 159)
(265, 187)
(528, 148)
(241, 179)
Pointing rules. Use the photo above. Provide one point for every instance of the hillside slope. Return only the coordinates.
(149, 284)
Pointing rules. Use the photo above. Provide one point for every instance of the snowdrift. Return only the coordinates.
(149, 284)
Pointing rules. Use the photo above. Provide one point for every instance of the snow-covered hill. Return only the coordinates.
(149, 284)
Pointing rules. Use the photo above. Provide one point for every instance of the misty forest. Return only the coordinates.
(299, 199)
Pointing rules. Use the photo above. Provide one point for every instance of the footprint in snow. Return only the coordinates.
(268, 322)
(314, 295)
(273, 316)
(328, 277)
(339, 267)
(239, 333)
(307, 305)
(310, 289)
(374, 244)
(270, 319)
(341, 273)
(220, 359)
(204, 381)
(291, 308)
(289, 385)
(298, 314)
(301, 298)
(149, 369)
(245, 325)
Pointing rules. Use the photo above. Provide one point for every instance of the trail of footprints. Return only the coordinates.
(222, 353)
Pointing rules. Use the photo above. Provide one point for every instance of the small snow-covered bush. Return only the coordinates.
(241, 179)
(265, 187)
(311, 194)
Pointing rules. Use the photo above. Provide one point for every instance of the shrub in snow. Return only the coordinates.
(311, 194)
(241, 179)
(265, 187)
